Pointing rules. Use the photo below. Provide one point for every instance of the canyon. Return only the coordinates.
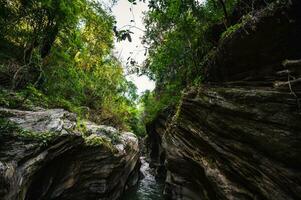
(237, 136)
(234, 136)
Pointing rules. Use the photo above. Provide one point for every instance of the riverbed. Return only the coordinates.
(148, 188)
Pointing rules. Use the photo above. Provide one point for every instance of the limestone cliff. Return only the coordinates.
(46, 156)
(237, 136)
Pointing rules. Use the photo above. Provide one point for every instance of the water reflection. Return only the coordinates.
(148, 188)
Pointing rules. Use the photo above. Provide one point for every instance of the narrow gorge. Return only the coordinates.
(233, 133)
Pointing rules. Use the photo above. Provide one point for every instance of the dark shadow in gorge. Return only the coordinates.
(47, 180)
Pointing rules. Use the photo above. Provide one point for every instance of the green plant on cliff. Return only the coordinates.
(231, 30)
(95, 141)
(11, 128)
(179, 35)
(44, 138)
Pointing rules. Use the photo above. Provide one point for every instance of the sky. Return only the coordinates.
(124, 12)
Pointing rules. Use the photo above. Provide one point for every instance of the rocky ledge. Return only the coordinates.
(50, 154)
(237, 137)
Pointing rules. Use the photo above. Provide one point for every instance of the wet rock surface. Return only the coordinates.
(148, 188)
(238, 135)
(57, 162)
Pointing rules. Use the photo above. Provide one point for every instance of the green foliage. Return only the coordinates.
(58, 53)
(44, 138)
(112, 134)
(136, 122)
(231, 30)
(5, 126)
(178, 35)
(152, 106)
(10, 100)
(8, 127)
(64, 60)
(181, 36)
(236, 26)
(95, 140)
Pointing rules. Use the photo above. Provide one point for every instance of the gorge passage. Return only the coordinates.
(235, 135)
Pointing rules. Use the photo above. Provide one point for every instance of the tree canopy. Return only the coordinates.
(180, 35)
(59, 52)
(62, 50)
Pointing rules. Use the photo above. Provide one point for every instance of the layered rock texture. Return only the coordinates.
(155, 150)
(48, 154)
(238, 136)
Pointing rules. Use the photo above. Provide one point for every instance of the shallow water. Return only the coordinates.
(148, 188)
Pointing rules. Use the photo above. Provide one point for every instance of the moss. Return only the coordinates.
(82, 128)
(12, 99)
(178, 111)
(36, 97)
(10, 128)
(113, 135)
(231, 30)
(115, 138)
(32, 97)
(96, 140)
(6, 127)
(43, 137)
(92, 139)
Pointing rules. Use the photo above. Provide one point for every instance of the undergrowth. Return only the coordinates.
(10, 128)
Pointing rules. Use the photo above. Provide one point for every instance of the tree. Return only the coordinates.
(69, 45)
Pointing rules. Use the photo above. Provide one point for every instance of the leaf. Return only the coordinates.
(129, 37)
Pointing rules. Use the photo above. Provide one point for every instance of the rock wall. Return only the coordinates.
(238, 135)
(155, 150)
(235, 143)
(254, 50)
(51, 159)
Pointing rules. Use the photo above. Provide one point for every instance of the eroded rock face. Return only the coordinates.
(156, 151)
(235, 143)
(57, 162)
(237, 137)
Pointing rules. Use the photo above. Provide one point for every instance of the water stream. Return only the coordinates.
(148, 188)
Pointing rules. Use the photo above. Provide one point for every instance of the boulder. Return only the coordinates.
(50, 154)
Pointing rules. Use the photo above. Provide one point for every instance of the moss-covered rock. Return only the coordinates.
(45, 155)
